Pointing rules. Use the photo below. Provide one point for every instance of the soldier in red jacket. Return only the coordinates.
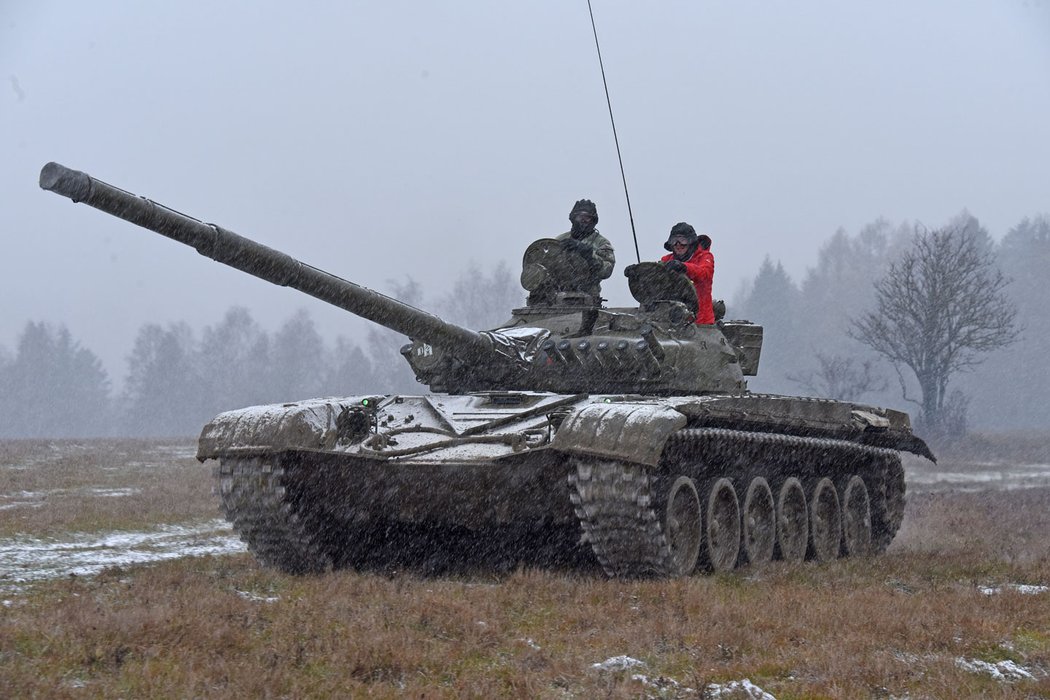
(691, 254)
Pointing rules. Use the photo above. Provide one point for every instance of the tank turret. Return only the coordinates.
(562, 341)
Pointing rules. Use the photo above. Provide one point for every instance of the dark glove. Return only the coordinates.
(675, 265)
(574, 246)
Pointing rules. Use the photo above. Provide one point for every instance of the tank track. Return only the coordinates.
(620, 517)
(617, 503)
(255, 499)
(614, 505)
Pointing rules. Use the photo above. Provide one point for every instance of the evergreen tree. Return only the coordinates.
(838, 288)
(390, 373)
(348, 371)
(841, 284)
(297, 357)
(1007, 390)
(53, 388)
(233, 360)
(773, 302)
(163, 389)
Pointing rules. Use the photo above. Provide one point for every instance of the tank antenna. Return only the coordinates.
(616, 140)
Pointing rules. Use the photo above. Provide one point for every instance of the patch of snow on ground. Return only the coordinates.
(177, 451)
(255, 598)
(21, 504)
(27, 494)
(985, 477)
(22, 499)
(26, 559)
(661, 683)
(735, 689)
(114, 493)
(618, 663)
(1022, 588)
(35, 499)
(1000, 671)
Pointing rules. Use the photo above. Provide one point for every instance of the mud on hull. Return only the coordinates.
(718, 499)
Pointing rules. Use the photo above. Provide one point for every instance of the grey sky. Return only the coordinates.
(382, 139)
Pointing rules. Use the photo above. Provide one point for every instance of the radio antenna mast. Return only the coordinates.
(616, 140)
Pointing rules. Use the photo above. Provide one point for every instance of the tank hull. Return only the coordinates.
(639, 486)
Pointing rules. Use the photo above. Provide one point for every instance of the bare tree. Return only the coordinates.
(840, 377)
(938, 308)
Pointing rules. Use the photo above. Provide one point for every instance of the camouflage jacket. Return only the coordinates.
(601, 259)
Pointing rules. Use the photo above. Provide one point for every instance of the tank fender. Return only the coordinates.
(631, 432)
(307, 425)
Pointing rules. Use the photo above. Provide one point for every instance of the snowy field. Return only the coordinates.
(923, 476)
(27, 556)
(26, 559)
(957, 608)
(74, 508)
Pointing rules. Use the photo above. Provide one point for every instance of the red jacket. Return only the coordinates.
(700, 269)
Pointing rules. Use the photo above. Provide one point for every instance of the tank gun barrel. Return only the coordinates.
(262, 261)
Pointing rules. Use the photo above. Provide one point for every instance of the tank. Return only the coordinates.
(572, 433)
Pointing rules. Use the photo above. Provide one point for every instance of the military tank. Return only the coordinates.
(623, 435)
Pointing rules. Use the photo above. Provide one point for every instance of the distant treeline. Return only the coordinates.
(177, 379)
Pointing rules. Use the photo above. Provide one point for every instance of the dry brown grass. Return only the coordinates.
(889, 626)
(53, 486)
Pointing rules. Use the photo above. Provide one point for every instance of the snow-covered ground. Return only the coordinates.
(26, 559)
(924, 476)
(663, 685)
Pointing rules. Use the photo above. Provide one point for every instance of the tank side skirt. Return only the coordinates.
(808, 417)
(619, 509)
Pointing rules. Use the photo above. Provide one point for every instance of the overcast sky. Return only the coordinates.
(383, 139)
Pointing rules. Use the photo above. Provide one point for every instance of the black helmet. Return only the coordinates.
(584, 205)
(682, 230)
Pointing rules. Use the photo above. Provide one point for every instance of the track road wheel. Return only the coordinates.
(825, 521)
(792, 521)
(856, 518)
(759, 523)
(681, 525)
(721, 527)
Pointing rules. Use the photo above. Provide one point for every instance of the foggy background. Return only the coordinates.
(397, 143)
